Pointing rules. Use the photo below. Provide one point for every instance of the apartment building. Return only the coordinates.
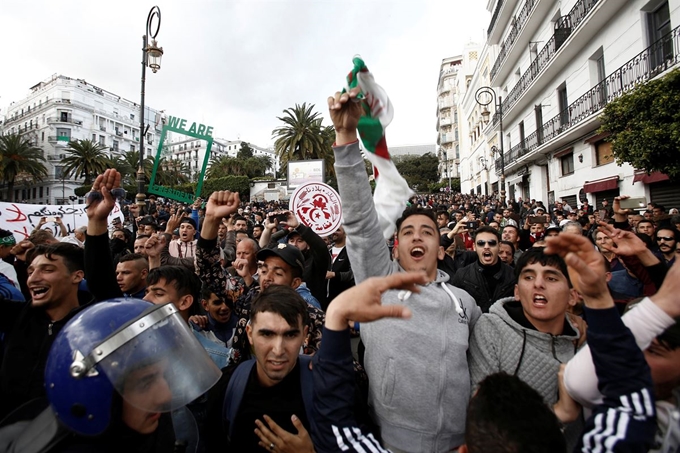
(556, 66)
(60, 109)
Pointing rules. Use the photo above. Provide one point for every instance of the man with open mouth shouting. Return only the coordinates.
(488, 279)
(530, 335)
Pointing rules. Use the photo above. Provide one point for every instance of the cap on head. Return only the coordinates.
(288, 253)
(188, 220)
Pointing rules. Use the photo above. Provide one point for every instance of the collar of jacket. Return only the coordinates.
(514, 310)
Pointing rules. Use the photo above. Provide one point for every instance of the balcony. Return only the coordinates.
(58, 138)
(445, 121)
(102, 128)
(60, 119)
(447, 138)
(563, 29)
(445, 103)
(654, 60)
(518, 23)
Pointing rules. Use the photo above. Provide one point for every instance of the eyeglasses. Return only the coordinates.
(492, 243)
(665, 238)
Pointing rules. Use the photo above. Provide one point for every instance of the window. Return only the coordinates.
(563, 105)
(94, 137)
(41, 191)
(47, 191)
(115, 145)
(63, 117)
(102, 140)
(132, 116)
(35, 193)
(603, 153)
(538, 113)
(659, 26)
(567, 162)
(132, 147)
(521, 134)
(64, 132)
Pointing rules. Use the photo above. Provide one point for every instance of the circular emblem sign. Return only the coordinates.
(317, 205)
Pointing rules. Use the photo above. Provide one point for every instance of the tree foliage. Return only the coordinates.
(128, 164)
(303, 137)
(85, 159)
(251, 167)
(245, 151)
(18, 156)
(419, 171)
(645, 126)
(240, 184)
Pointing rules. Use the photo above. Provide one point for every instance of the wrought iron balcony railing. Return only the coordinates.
(494, 18)
(564, 27)
(654, 60)
(517, 24)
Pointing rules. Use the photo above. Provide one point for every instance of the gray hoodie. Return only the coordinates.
(419, 383)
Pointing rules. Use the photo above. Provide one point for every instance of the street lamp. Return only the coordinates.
(488, 94)
(151, 57)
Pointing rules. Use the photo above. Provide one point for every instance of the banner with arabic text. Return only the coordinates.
(21, 218)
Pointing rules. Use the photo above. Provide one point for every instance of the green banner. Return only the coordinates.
(197, 131)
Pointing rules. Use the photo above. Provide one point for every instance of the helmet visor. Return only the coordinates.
(161, 368)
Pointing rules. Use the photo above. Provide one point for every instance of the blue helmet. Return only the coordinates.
(145, 352)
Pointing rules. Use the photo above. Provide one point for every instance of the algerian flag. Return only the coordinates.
(391, 189)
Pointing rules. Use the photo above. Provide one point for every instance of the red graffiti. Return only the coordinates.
(20, 215)
(25, 233)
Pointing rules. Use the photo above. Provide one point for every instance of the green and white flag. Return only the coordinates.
(391, 189)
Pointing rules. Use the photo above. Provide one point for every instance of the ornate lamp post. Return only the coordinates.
(151, 57)
(485, 96)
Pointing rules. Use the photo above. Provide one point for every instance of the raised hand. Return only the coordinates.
(174, 221)
(292, 220)
(21, 249)
(154, 245)
(362, 303)
(626, 243)
(345, 112)
(585, 266)
(99, 207)
(222, 204)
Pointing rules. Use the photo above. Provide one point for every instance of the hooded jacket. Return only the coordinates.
(419, 383)
(504, 341)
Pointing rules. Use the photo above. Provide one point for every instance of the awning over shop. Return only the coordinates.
(656, 176)
(601, 185)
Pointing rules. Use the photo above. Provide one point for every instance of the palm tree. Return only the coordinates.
(223, 166)
(128, 165)
(171, 172)
(18, 155)
(86, 159)
(300, 137)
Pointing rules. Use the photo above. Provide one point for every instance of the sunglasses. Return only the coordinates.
(665, 238)
(492, 243)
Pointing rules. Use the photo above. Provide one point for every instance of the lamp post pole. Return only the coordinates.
(489, 93)
(151, 55)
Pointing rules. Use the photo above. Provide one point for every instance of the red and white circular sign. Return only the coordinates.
(318, 206)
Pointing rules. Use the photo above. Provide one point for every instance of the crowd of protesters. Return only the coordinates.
(482, 325)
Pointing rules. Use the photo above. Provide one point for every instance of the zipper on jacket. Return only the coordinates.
(49, 328)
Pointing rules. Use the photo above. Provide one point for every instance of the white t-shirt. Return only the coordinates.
(335, 251)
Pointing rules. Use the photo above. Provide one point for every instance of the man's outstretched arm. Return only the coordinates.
(366, 246)
(336, 426)
(626, 419)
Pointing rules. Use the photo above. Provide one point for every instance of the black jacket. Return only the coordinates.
(317, 261)
(344, 277)
(29, 334)
(471, 279)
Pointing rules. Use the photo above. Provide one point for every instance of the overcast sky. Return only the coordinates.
(236, 65)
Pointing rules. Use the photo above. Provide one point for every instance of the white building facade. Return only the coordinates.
(191, 152)
(447, 118)
(556, 66)
(60, 109)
